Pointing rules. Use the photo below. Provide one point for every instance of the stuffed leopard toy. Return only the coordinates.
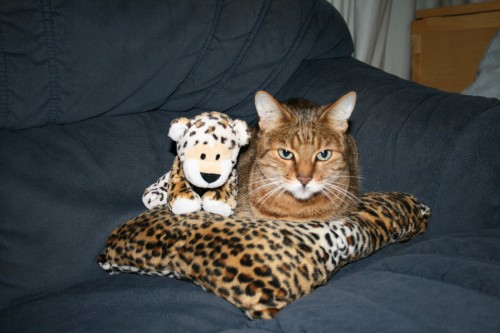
(202, 174)
(259, 266)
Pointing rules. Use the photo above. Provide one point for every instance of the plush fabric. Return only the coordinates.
(87, 92)
(203, 174)
(259, 265)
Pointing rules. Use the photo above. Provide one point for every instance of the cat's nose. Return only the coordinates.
(304, 180)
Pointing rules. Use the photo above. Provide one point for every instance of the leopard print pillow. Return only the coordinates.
(259, 265)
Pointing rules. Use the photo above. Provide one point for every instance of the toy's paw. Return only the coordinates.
(156, 194)
(185, 206)
(153, 199)
(217, 207)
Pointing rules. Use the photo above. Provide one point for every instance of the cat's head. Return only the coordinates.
(302, 146)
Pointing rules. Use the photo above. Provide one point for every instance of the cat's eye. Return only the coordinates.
(285, 154)
(324, 155)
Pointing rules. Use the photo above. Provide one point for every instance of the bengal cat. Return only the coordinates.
(301, 165)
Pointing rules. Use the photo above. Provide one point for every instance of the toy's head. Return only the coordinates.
(208, 146)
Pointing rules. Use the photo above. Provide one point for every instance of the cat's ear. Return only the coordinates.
(338, 113)
(270, 111)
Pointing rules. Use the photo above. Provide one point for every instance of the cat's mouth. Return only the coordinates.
(303, 195)
(301, 192)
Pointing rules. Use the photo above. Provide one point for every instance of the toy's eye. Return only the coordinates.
(285, 154)
(324, 155)
(217, 157)
(203, 156)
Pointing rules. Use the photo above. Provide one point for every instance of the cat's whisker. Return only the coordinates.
(269, 194)
(283, 190)
(267, 182)
(327, 195)
(275, 187)
(343, 190)
(336, 190)
(263, 180)
(334, 194)
(352, 177)
(260, 188)
(347, 175)
(266, 185)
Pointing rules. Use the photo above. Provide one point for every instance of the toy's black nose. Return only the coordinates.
(209, 177)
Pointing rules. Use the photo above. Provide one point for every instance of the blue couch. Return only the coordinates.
(87, 92)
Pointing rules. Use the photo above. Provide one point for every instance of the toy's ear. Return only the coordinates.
(241, 129)
(178, 127)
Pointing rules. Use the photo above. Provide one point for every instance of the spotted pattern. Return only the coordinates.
(207, 129)
(260, 265)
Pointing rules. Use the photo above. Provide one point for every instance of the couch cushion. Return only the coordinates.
(64, 188)
(424, 286)
(447, 284)
(124, 303)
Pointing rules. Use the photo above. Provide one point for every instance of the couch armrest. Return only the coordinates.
(442, 147)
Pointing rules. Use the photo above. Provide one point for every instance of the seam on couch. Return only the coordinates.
(403, 129)
(452, 148)
(4, 91)
(244, 50)
(442, 279)
(286, 59)
(291, 50)
(439, 172)
(48, 36)
(376, 266)
(371, 301)
(453, 145)
(213, 28)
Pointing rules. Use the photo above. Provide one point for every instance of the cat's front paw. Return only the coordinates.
(217, 207)
(185, 206)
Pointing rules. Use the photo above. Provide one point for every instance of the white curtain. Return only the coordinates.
(381, 30)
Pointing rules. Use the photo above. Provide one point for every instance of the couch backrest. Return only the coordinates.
(78, 77)
(64, 61)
